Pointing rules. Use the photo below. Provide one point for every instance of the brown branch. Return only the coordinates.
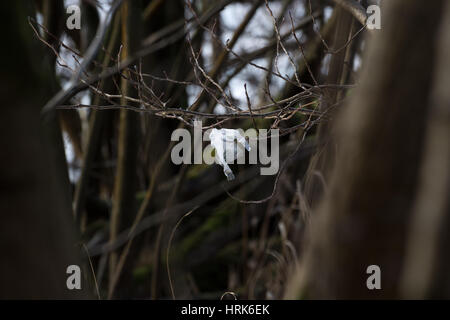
(65, 94)
(355, 9)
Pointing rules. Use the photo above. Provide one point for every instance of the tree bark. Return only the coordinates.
(38, 239)
(362, 219)
(425, 271)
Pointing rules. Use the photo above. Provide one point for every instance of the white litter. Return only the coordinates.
(229, 145)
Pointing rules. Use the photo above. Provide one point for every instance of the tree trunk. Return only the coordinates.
(362, 219)
(37, 233)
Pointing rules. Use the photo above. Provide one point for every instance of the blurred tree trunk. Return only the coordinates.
(37, 232)
(124, 205)
(171, 61)
(427, 260)
(322, 162)
(364, 216)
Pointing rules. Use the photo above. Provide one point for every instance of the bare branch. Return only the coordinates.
(91, 53)
(354, 8)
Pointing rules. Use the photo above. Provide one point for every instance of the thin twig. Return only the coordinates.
(168, 250)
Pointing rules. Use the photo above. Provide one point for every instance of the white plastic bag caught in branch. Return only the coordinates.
(229, 145)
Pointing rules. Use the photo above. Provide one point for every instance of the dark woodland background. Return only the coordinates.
(364, 150)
